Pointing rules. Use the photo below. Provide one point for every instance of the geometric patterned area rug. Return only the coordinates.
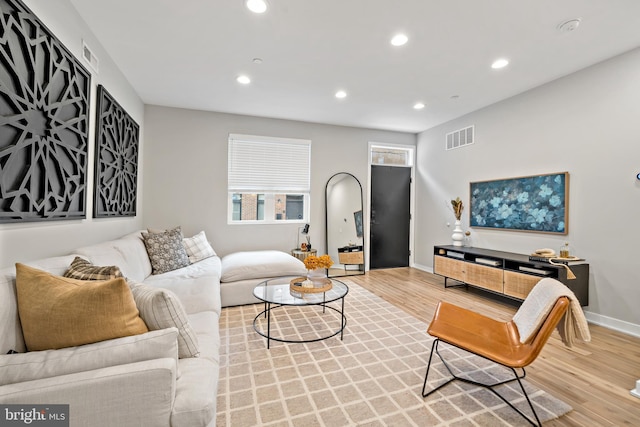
(373, 377)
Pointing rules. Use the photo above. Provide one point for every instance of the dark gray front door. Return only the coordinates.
(390, 216)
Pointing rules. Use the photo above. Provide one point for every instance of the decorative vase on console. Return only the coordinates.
(458, 234)
(467, 239)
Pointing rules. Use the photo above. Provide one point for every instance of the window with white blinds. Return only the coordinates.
(268, 179)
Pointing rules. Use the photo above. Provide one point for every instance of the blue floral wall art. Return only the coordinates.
(532, 203)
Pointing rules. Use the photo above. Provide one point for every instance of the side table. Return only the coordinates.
(302, 255)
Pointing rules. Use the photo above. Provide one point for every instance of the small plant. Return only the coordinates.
(457, 207)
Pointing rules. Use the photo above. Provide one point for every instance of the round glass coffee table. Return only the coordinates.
(276, 295)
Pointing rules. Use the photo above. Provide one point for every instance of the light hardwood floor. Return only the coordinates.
(594, 378)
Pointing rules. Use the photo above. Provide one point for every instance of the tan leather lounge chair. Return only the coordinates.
(501, 342)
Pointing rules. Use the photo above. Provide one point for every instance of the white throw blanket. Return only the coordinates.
(537, 306)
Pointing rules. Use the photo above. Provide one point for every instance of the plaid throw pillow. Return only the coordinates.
(81, 269)
(197, 247)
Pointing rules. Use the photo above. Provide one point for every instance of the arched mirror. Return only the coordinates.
(344, 225)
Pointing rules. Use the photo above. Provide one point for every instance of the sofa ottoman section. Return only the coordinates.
(242, 271)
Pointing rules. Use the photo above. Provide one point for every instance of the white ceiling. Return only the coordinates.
(188, 53)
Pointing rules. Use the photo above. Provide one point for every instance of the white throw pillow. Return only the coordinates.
(198, 247)
(160, 309)
(20, 367)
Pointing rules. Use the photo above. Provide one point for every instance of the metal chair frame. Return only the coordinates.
(491, 387)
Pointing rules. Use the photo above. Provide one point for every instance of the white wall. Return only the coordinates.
(186, 173)
(588, 124)
(27, 241)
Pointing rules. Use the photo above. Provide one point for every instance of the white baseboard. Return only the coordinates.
(611, 323)
(423, 268)
(597, 319)
(636, 391)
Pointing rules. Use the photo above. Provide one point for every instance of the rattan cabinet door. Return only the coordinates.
(519, 285)
(351, 257)
(484, 277)
(448, 267)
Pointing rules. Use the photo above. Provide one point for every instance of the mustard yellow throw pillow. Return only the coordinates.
(57, 312)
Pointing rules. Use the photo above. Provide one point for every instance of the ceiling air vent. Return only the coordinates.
(88, 56)
(459, 138)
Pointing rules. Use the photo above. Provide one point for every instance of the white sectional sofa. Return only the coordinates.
(135, 380)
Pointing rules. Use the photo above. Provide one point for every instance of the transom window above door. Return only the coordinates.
(391, 156)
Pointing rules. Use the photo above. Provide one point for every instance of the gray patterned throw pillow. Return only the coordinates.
(165, 250)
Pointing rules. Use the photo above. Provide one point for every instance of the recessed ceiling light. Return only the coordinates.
(399, 40)
(341, 94)
(245, 80)
(569, 26)
(418, 106)
(257, 60)
(256, 6)
(499, 63)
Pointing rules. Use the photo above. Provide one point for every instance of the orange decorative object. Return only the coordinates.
(312, 262)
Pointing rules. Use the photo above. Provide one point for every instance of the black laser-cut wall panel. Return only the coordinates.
(44, 122)
(116, 159)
